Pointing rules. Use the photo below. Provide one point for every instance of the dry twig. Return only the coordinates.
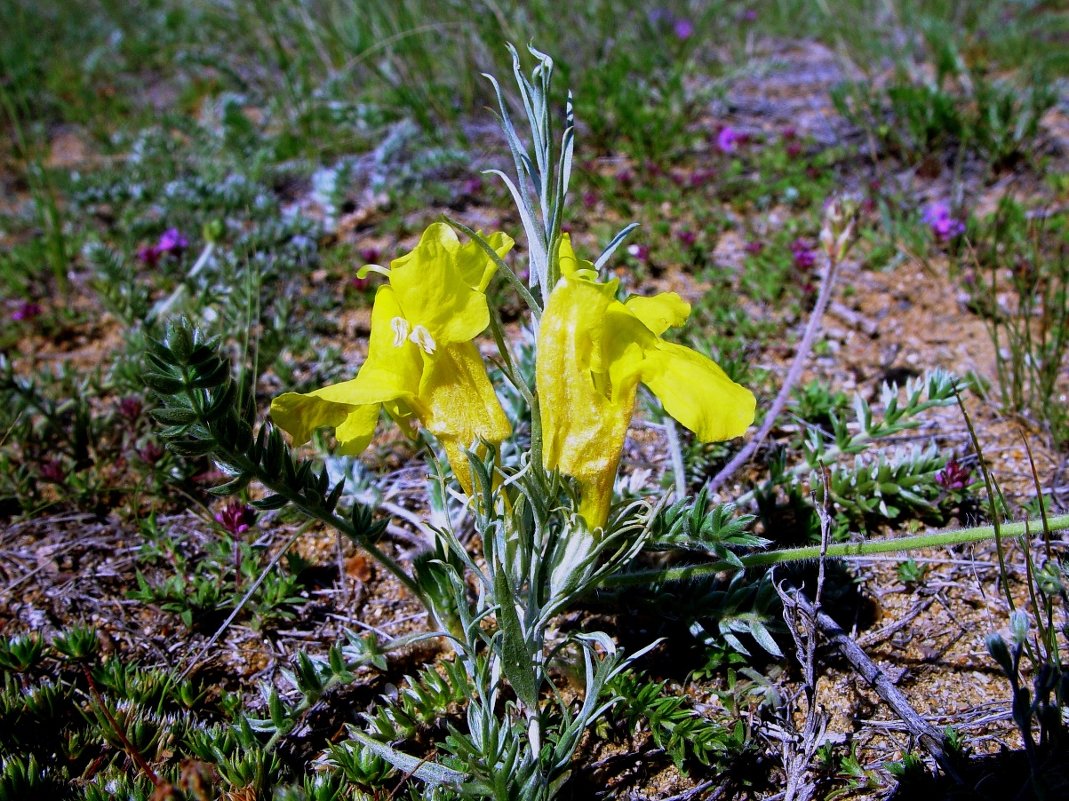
(795, 372)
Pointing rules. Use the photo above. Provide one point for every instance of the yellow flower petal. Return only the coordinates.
(461, 406)
(422, 366)
(475, 266)
(698, 393)
(583, 428)
(390, 375)
(660, 312)
(570, 266)
(354, 434)
(435, 295)
(393, 366)
(300, 415)
(459, 399)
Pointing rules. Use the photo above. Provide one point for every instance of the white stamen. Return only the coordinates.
(422, 337)
(372, 268)
(400, 331)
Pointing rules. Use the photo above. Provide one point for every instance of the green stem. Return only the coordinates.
(844, 550)
(992, 500)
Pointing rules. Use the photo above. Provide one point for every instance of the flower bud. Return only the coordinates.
(837, 233)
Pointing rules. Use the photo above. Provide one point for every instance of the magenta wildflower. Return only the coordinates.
(151, 452)
(149, 255)
(953, 476)
(803, 254)
(943, 225)
(172, 241)
(728, 139)
(370, 255)
(687, 237)
(27, 310)
(701, 177)
(52, 470)
(625, 176)
(640, 252)
(236, 517)
(754, 246)
(130, 408)
(473, 185)
(683, 28)
(590, 199)
(749, 15)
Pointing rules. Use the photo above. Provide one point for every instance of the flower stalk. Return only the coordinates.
(842, 550)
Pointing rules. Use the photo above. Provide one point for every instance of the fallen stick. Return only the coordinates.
(927, 735)
(795, 372)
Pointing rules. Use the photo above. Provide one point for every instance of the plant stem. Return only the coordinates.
(843, 550)
(133, 753)
(793, 374)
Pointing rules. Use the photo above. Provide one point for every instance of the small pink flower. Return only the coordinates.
(804, 257)
(151, 452)
(728, 139)
(130, 408)
(52, 470)
(473, 185)
(625, 176)
(687, 237)
(27, 310)
(640, 252)
(172, 241)
(954, 476)
(149, 255)
(701, 177)
(236, 517)
(754, 246)
(943, 225)
(590, 199)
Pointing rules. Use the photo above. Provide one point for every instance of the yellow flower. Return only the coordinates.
(422, 365)
(593, 351)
